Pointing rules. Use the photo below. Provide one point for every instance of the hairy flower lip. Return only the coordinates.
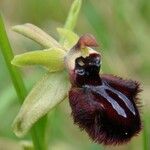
(101, 122)
(106, 107)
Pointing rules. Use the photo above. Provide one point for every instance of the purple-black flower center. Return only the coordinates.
(87, 70)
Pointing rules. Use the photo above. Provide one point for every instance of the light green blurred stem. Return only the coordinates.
(145, 134)
(38, 129)
(38, 134)
(72, 17)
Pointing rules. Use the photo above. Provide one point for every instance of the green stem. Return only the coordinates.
(39, 137)
(18, 83)
(8, 56)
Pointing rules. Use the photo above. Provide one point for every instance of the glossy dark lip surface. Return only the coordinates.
(103, 89)
(107, 119)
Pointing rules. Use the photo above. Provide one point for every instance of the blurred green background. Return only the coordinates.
(122, 28)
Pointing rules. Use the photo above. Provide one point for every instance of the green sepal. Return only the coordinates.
(70, 38)
(52, 59)
(36, 34)
(45, 95)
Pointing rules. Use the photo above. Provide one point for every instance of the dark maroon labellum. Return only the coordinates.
(104, 106)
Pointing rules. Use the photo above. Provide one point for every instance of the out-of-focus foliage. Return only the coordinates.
(121, 28)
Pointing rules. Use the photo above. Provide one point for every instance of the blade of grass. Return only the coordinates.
(38, 129)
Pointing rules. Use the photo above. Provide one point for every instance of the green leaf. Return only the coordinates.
(45, 95)
(38, 35)
(52, 59)
(70, 38)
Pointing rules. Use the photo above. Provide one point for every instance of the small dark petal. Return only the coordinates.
(107, 112)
